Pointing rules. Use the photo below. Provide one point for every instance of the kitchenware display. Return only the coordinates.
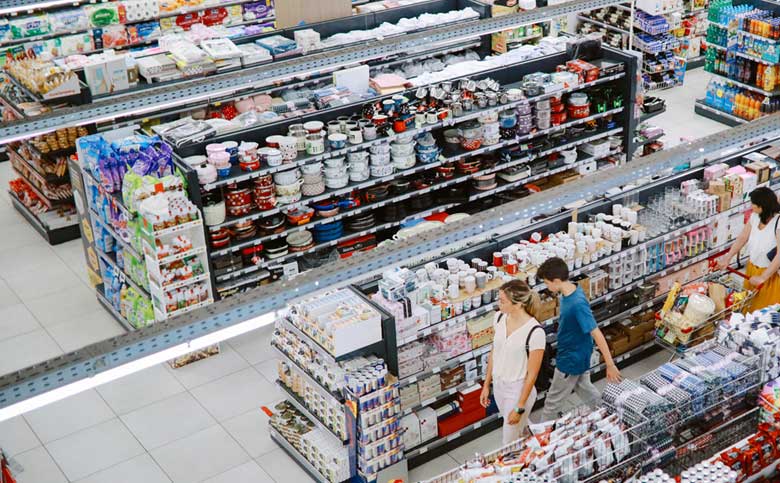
(219, 237)
(380, 149)
(335, 171)
(289, 176)
(252, 255)
(299, 134)
(270, 156)
(360, 222)
(313, 127)
(377, 193)
(359, 175)
(404, 162)
(314, 168)
(300, 241)
(355, 135)
(272, 224)
(207, 173)
(299, 216)
(314, 188)
(380, 159)
(328, 232)
(315, 143)
(274, 249)
(337, 181)
(244, 229)
(289, 189)
(337, 140)
(274, 141)
(289, 199)
(334, 127)
(380, 171)
(288, 146)
(485, 182)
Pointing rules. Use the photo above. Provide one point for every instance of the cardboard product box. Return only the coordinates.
(468, 398)
(290, 13)
(452, 377)
(760, 169)
(410, 429)
(480, 330)
(410, 396)
(459, 421)
(548, 307)
(693, 272)
(428, 426)
(619, 346)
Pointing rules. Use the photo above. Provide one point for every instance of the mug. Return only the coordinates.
(466, 304)
(315, 143)
(337, 140)
(486, 297)
(457, 307)
(355, 135)
(334, 127)
(313, 127)
(469, 283)
(273, 141)
(481, 278)
(369, 132)
(300, 137)
(288, 145)
(476, 301)
(453, 291)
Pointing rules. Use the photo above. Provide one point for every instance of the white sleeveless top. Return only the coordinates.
(510, 361)
(761, 241)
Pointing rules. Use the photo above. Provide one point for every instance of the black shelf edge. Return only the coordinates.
(53, 237)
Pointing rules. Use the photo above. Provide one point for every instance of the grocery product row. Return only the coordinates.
(744, 83)
(630, 256)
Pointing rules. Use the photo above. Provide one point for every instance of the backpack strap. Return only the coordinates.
(528, 339)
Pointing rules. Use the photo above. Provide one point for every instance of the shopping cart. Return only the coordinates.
(677, 334)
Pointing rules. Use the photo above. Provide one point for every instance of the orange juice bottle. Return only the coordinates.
(760, 75)
(738, 103)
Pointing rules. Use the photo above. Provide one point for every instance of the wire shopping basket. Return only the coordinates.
(677, 332)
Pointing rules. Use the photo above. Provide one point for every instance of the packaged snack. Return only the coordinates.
(143, 32)
(75, 44)
(213, 16)
(113, 36)
(258, 10)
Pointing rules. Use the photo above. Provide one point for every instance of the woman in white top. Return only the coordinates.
(762, 235)
(516, 358)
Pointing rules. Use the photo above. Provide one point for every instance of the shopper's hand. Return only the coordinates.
(721, 263)
(484, 396)
(613, 374)
(756, 281)
(514, 418)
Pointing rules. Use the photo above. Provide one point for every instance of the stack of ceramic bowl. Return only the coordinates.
(491, 132)
(452, 138)
(361, 222)
(275, 248)
(426, 149)
(543, 114)
(525, 121)
(300, 241)
(270, 156)
(336, 175)
(248, 158)
(264, 192)
(485, 182)
(507, 121)
(238, 200)
(219, 158)
(313, 184)
(272, 224)
(358, 166)
(328, 232)
(288, 186)
(244, 230)
(380, 161)
(471, 135)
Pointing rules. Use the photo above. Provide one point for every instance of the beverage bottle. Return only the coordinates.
(760, 75)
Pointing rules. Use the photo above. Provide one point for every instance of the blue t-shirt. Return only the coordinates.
(575, 344)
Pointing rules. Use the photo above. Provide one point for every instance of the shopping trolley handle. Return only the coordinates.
(743, 275)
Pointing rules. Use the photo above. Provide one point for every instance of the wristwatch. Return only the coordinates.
(520, 410)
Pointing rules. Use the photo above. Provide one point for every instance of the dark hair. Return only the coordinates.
(518, 292)
(767, 200)
(552, 269)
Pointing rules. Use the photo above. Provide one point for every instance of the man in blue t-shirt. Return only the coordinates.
(577, 330)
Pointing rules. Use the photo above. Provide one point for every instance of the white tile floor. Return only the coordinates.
(199, 423)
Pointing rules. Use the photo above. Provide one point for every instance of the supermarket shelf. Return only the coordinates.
(53, 235)
(179, 228)
(238, 176)
(294, 454)
(306, 374)
(441, 441)
(225, 85)
(180, 256)
(46, 201)
(716, 46)
(438, 397)
(106, 226)
(182, 283)
(116, 198)
(650, 140)
(717, 115)
(455, 361)
(185, 310)
(46, 177)
(757, 37)
(646, 116)
(444, 324)
(108, 259)
(694, 62)
(749, 87)
(607, 26)
(753, 58)
(117, 316)
(301, 406)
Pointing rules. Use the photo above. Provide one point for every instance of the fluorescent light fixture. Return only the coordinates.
(60, 393)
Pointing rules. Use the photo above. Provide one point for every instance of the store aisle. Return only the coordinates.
(199, 423)
(680, 121)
